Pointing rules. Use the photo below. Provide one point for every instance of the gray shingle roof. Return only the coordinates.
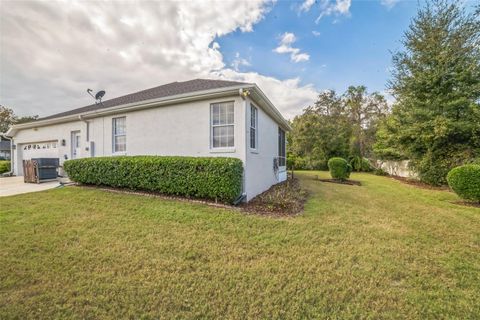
(162, 91)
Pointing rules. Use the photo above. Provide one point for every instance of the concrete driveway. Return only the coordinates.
(10, 186)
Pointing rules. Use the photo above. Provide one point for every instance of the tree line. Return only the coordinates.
(435, 119)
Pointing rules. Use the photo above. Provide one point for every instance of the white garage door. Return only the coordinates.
(47, 149)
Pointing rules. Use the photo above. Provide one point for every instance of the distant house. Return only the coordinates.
(192, 118)
(4, 149)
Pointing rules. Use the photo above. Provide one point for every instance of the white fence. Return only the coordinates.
(397, 168)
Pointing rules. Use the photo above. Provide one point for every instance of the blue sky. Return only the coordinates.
(51, 52)
(348, 49)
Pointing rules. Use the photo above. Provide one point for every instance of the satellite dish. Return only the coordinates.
(100, 95)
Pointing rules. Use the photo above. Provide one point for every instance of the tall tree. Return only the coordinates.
(337, 126)
(436, 83)
(364, 110)
(321, 132)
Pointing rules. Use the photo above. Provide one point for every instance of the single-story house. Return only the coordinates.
(200, 118)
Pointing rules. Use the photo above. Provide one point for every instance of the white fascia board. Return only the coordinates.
(170, 100)
(260, 98)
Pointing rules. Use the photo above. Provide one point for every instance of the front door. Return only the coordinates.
(76, 143)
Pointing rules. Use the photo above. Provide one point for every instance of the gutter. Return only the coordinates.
(199, 95)
(9, 173)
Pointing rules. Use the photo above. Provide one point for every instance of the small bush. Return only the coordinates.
(4, 166)
(339, 168)
(213, 178)
(465, 181)
(360, 164)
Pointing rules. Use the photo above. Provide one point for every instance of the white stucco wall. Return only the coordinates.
(182, 129)
(259, 173)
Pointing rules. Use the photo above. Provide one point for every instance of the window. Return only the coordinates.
(253, 127)
(119, 137)
(222, 125)
(281, 148)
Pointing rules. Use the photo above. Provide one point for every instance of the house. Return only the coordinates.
(200, 118)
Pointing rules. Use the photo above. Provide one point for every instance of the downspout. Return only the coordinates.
(10, 173)
(243, 94)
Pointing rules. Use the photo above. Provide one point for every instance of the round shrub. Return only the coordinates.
(339, 168)
(465, 181)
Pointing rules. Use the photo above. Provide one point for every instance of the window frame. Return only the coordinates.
(253, 111)
(212, 126)
(282, 148)
(115, 135)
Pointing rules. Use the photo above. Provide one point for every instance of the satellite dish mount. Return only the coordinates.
(98, 96)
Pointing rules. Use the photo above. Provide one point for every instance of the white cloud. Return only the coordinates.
(389, 3)
(316, 33)
(285, 46)
(239, 61)
(51, 52)
(337, 8)
(289, 95)
(306, 5)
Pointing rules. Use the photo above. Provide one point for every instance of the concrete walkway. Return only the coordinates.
(10, 186)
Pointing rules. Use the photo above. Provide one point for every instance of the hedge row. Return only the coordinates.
(213, 178)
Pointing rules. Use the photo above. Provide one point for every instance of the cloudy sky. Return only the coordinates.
(51, 52)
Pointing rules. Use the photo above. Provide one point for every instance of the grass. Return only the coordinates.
(384, 250)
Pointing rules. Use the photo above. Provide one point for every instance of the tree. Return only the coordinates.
(364, 111)
(336, 126)
(436, 83)
(8, 118)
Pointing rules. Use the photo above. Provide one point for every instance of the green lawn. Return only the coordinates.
(383, 250)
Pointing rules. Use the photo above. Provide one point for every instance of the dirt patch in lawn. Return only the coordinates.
(467, 203)
(418, 183)
(283, 199)
(347, 182)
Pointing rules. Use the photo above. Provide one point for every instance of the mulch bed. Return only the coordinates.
(347, 182)
(281, 200)
(419, 184)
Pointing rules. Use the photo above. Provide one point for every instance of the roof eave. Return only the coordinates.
(181, 98)
(259, 97)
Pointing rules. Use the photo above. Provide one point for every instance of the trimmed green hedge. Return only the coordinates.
(339, 168)
(4, 166)
(213, 178)
(465, 181)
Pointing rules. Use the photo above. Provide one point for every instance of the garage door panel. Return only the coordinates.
(47, 149)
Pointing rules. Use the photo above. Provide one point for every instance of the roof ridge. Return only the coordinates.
(161, 91)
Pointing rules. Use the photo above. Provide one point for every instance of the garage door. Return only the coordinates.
(47, 149)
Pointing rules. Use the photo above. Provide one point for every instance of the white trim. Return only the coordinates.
(114, 151)
(256, 94)
(212, 126)
(253, 150)
(222, 150)
(175, 99)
